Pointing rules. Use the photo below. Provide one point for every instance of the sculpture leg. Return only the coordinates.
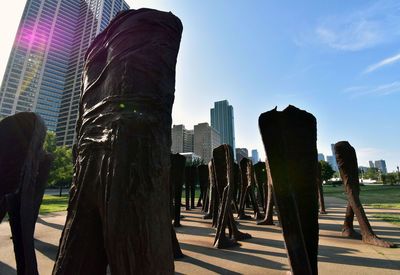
(320, 191)
(348, 168)
(243, 195)
(210, 207)
(14, 213)
(175, 245)
(193, 181)
(257, 214)
(176, 179)
(221, 241)
(81, 249)
(348, 228)
(187, 187)
(177, 205)
(268, 219)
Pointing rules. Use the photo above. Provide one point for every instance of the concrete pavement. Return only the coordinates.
(263, 254)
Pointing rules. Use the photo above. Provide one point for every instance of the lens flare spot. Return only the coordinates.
(134, 111)
(122, 105)
(263, 170)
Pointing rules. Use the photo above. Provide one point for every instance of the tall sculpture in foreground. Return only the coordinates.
(347, 163)
(119, 210)
(24, 168)
(289, 139)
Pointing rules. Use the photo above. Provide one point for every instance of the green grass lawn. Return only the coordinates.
(374, 196)
(380, 196)
(53, 203)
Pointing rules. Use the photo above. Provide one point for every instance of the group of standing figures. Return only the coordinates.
(290, 178)
(119, 213)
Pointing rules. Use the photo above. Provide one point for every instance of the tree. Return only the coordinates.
(50, 144)
(326, 170)
(371, 173)
(61, 172)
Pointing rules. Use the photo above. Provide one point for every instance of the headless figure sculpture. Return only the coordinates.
(223, 161)
(347, 162)
(24, 169)
(118, 213)
(247, 172)
(289, 139)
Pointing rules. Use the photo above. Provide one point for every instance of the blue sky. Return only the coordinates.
(339, 60)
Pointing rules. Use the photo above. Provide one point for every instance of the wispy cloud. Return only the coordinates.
(381, 90)
(361, 29)
(384, 62)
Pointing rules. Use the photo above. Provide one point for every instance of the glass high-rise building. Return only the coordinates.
(43, 70)
(94, 16)
(254, 156)
(222, 120)
(334, 163)
(37, 67)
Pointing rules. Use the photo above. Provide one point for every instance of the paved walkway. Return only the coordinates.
(263, 254)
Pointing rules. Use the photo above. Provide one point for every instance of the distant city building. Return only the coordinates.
(222, 119)
(321, 157)
(334, 163)
(381, 165)
(182, 139)
(206, 138)
(363, 168)
(254, 156)
(43, 72)
(330, 160)
(241, 153)
(371, 164)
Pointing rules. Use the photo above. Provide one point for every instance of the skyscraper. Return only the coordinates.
(381, 165)
(206, 138)
(44, 68)
(321, 157)
(330, 160)
(371, 164)
(93, 18)
(334, 163)
(254, 156)
(37, 67)
(222, 120)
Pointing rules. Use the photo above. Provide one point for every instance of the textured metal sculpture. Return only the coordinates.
(247, 172)
(223, 162)
(213, 203)
(24, 168)
(176, 180)
(204, 183)
(289, 139)
(188, 177)
(193, 181)
(320, 191)
(237, 182)
(119, 210)
(262, 183)
(347, 163)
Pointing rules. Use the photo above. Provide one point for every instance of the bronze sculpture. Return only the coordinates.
(119, 210)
